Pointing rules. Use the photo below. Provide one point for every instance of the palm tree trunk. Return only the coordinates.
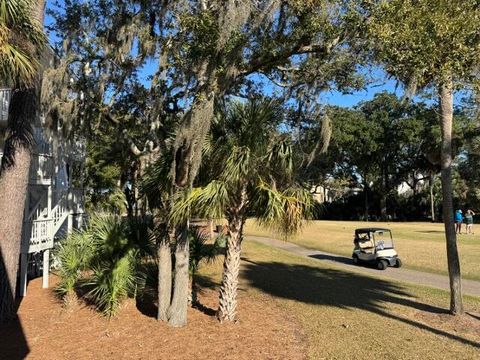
(432, 199)
(13, 192)
(231, 267)
(446, 112)
(15, 165)
(177, 313)
(165, 274)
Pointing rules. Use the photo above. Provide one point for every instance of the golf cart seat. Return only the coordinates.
(366, 246)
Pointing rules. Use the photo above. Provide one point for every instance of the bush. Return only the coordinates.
(74, 255)
(103, 261)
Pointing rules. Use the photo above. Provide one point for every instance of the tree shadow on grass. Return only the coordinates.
(430, 231)
(334, 258)
(340, 289)
(473, 316)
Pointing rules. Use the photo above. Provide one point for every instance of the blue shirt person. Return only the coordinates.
(458, 221)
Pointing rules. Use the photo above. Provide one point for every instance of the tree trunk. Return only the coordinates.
(165, 274)
(14, 175)
(177, 313)
(383, 206)
(446, 112)
(365, 191)
(231, 267)
(432, 198)
(384, 193)
(13, 192)
(15, 165)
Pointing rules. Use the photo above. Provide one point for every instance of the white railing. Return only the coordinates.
(41, 168)
(41, 235)
(40, 232)
(60, 212)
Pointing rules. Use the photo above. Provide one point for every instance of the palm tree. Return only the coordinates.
(21, 43)
(251, 172)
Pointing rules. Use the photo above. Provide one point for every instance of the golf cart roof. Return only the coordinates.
(369, 230)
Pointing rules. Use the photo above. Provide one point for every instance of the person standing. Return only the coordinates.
(469, 221)
(458, 221)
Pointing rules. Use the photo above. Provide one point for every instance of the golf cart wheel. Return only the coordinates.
(398, 263)
(355, 260)
(382, 265)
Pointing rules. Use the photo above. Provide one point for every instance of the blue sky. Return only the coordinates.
(349, 100)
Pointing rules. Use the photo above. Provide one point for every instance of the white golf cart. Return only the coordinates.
(375, 246)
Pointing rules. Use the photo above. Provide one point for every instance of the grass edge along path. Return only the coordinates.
(347, 315)
(420, 245)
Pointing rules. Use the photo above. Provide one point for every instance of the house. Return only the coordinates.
(53, 205)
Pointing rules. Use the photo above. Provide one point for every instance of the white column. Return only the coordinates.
(46, 267)
(49, 201)
(70, 211)
(69, 223)
(23, 273)
(80, 221)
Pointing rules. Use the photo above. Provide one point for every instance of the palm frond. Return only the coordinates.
(21, 40)
(157, 181)
(283, 211)
(109, 233)
(112, 281)
(280, 157)
(209, 202)
(74, 254)
(200, 250)
(238, 165)
(16, 62)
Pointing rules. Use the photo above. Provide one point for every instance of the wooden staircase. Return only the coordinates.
(44, 224)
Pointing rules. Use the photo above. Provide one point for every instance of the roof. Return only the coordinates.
(368, 230)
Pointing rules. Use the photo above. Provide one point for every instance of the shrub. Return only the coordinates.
(74, 255)
(104, 260)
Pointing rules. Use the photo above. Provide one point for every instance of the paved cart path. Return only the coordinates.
(470, 287)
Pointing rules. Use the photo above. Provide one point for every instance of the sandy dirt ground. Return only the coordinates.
(44, 330)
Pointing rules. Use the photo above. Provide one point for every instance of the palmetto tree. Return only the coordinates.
(250, 167)
(21, 43)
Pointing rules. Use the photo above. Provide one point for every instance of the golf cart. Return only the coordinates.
(375, 246)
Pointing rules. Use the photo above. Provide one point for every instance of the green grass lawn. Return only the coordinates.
(420, 245)
(345, 315)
